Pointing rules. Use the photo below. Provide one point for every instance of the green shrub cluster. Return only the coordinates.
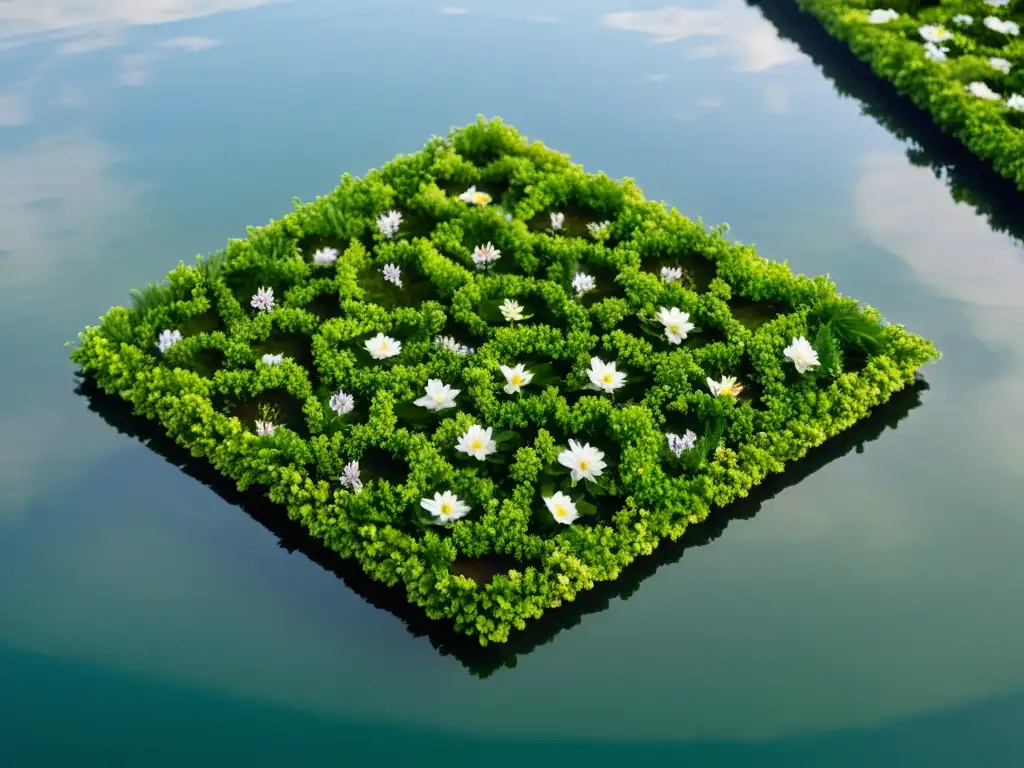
(962, 61)
(491, 275)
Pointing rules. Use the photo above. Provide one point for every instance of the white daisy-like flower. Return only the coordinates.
(678, 444)
(485, 254)
(671, 274)
(982, 91)
(598, 229)
(584, 461)
(998, 25)
(802, 354)
(445, 506)
(1002, 65)
(350, 477)
(963, 20)
(476, 442)
(392, 274)
(449, 343)
(265, 428)
(388, 223)
(511, 310)
(677, 324)
(882, 15)
(935, 33)
(342, 402)
(167, 339)
(381, 346)
(325, 256)
(557, 221)
(473, 197)
(269, 359)
(935, 52)
(437, 396)
(582, 282)
(515, 378)
(1016, 101)
(727, 387)
(561, 507)
(263, 299)
(604, 377)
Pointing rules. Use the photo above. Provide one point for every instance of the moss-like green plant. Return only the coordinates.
(962, 61)
(432, 373)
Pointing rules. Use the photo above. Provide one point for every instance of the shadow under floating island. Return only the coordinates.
(483, 661)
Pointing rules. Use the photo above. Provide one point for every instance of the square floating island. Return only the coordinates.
(961, 61)
(494, 380)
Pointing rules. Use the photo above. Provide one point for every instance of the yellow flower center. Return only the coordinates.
(584, 465)
(383, 347)
(673, 329)
(446, 508)
(607, 378)
(476, 445)
(438, 398)
(560, 510)
(517, 380)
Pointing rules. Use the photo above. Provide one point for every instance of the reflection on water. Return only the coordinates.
(484, 661)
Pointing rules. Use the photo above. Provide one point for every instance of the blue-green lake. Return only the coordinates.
(865, 609)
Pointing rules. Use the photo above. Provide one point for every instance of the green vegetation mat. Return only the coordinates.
(960, 60)
(492, 379)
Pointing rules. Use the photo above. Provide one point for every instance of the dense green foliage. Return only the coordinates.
(209, 388)
(960, 60)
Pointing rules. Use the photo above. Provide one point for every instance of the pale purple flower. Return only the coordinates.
(342, 402)
(582, 282)
(671, 274)
(485, 254)
(325, 256)
(393, 274)
(350, 477)
(449, 343)
(263, 299)
(599, 229)
(167, 339)
(678, 444)
(265, 428)
(389, 223)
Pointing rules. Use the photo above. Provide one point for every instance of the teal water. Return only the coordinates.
(864, 610)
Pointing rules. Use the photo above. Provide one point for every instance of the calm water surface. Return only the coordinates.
(868, 614)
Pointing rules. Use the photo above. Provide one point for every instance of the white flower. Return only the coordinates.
(485, 254)
(982, 91)
(963, 20)
(1002, 65)
(802, 354)
(677, 324)
(1016, 101)
(263, 299)
(269, 359)
(350, 477)
(447, 342)
(342, 402)
(325, 256)
(998, 25)
(473, 197)
(935, 52)
(671, 274)
(392, 274)
(381, 346)
(727, 387)
(603, 375)
(265, 428)
(388, 223)
(598, 229)
(476, 442)
(882, 16)
(935, 33)
(167, 339)
(445, 506)
(585, 461)
(678, 444)
(557, 222)
(561, 508)
(997, 3)
(582, 282)
(511, 310)
(516, 378)
(438, 396)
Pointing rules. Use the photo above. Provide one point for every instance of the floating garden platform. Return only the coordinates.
(962, 61)
(491, 379)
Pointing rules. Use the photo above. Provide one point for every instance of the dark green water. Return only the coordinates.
(864, 610)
